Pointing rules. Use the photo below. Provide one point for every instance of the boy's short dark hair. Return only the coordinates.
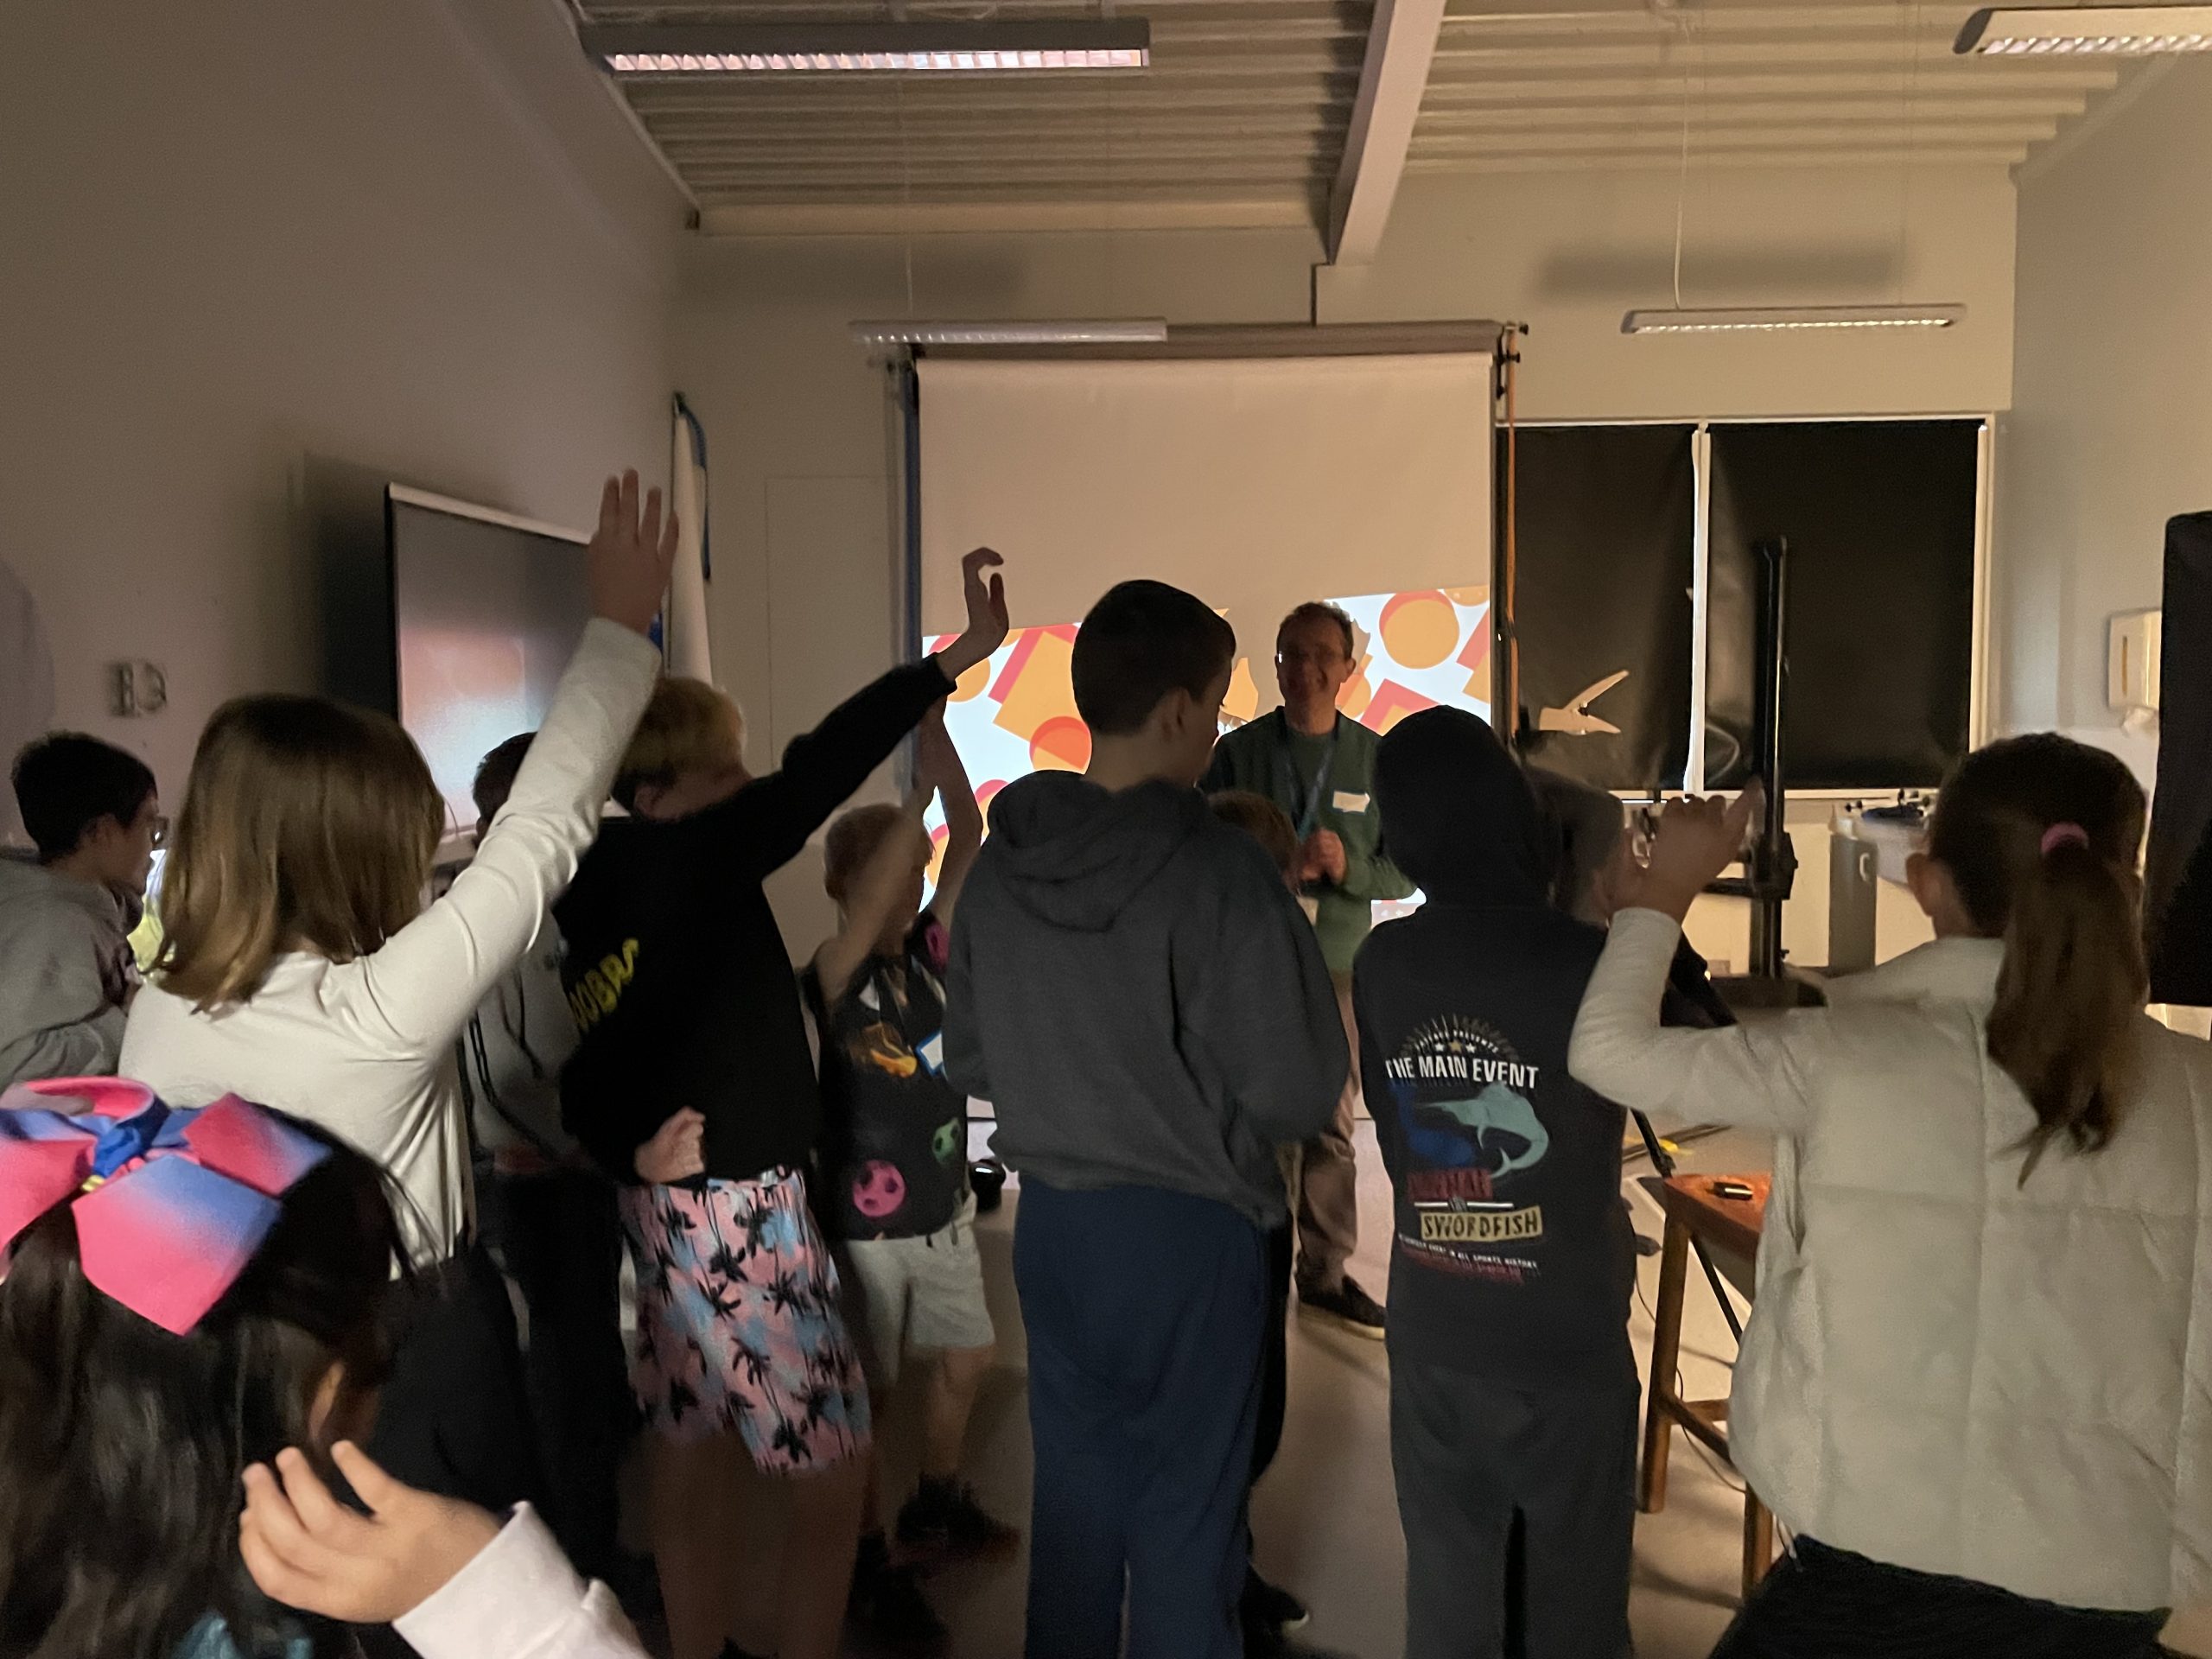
(1141, 641)
(66, 782)
(1262, 819)
(495, 776)
(1319, 610)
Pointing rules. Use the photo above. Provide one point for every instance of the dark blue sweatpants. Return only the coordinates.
(1144, 1311)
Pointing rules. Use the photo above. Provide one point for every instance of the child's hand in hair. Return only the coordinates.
(1696, 840)
(309, 1551)
(987, 615)
(630, 556)
(677, 1152)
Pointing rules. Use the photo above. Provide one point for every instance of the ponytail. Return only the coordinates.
(2040, 835)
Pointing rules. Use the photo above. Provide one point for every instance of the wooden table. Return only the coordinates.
(1729, 1228)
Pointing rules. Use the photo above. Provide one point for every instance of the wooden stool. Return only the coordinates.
(1729, 1228)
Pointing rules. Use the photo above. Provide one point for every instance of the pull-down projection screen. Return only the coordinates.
(1255, 483)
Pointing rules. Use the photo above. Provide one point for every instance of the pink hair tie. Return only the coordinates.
(2064, 835)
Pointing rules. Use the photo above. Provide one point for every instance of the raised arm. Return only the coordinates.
(766, 822)
(941, 770)
(419, 990)
(877, 888)
(1752, 1073)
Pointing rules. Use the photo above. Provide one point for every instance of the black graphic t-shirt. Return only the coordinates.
(895, 1137)
(1513, 1255)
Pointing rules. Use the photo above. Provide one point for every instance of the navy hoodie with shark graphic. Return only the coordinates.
(1513, 1257)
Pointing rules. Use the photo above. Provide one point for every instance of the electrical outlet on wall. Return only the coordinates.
(136, 688)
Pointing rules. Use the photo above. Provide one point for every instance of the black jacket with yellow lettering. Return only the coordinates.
(677, 972)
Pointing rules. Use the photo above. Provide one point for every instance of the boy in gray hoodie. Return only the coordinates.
(66, 975)
(1136, 992)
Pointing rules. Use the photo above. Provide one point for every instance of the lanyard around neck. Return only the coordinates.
(1310, 814)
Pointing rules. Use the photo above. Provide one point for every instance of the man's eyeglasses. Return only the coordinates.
(1323, 658)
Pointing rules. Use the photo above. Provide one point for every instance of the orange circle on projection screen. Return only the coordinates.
(1420, 629)
(1061, 743)
(971, 683)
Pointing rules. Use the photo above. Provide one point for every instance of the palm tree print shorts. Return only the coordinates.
(738, 1322)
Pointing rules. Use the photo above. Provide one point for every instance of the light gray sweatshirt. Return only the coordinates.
(65, 971)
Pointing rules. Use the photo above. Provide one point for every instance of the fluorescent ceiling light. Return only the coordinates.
(2040, 31)
(1758, 318)
(1106, 331)
(655, 49)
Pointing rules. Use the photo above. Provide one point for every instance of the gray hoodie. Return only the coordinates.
(65, 969)
(1138, 996)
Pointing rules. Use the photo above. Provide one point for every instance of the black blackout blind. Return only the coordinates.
(1604, 526)
(1879, 516)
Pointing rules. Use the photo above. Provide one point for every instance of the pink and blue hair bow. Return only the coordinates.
(170, 1204)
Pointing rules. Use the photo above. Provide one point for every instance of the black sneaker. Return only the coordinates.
(1347, 1306)
(887, 1606)
(1271, 1605)
(943, 1522)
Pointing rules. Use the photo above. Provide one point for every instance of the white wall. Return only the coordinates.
(801, 443)
(244, 238)
(2111, 428)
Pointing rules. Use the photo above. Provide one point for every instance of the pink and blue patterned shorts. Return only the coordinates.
(739, 1329)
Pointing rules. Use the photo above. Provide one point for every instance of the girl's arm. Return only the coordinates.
(940, 768)
(420, 989)
(452, 1580)
(1752, 1073)
(875, 893)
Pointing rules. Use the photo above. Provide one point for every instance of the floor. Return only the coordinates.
(1326, 1519)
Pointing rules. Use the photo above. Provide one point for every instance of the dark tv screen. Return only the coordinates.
(486, 610)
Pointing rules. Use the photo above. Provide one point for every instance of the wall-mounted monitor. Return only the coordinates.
(456, 619)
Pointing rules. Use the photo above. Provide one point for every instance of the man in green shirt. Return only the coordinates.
(1320, 767)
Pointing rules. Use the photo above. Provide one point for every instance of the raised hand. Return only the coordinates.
(1696, 840)
(307, 1550)
(630, 555)
(987, 614)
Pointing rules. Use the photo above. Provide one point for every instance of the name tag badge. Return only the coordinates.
(932, 1054)
(1345, 801)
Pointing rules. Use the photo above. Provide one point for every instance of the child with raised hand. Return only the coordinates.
(301, 967)
(1974, 1384)
(895, 1163)
(694, 1085)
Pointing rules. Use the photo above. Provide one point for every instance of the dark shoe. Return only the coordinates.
(1271, 1606)
(1347, 1306)
(943, 1522)
(887, 1605)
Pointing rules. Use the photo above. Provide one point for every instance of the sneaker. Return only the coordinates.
(943, 1521)
(1347, 1306)
(1272, 1606)
(888, 1608)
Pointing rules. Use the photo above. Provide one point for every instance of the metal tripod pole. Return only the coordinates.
(1665, 1165)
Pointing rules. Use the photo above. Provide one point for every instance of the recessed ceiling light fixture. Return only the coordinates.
(1761, 318)
(1103, 331)
(2125, 31)
(1013, 45)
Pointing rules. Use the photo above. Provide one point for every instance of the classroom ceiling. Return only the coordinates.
(1243, 116)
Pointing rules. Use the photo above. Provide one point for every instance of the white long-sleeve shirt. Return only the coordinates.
(1948, 1369)
(519, 1599)
(365, 1048)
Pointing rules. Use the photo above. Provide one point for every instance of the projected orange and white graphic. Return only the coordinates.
(1016, 713)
